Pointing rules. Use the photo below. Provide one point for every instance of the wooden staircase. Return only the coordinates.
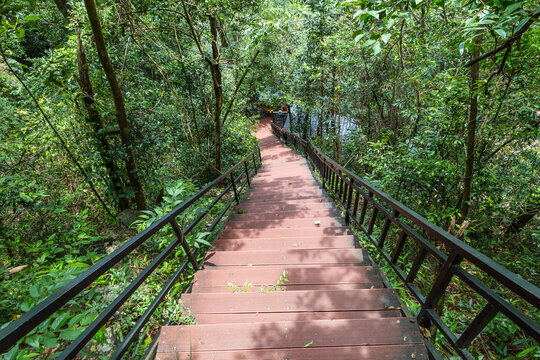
(285, 281)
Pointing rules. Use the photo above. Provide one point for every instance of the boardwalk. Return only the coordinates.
(285, 281)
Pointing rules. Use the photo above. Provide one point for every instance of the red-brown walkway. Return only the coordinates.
(331, 303)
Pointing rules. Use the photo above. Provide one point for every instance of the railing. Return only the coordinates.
(362, 201)
(239, 177)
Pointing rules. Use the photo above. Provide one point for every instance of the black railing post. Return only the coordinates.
(234, 188)
(180, 235)
(480, 321)
(349, 199)
(323, 176)
(385, 228)
(333, 180)
(364, 209)
(416, 265)
(399, 247)
(439, 287)
(247, 173)
(254, 163)
(356, 201)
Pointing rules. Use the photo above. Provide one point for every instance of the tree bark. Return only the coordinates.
(471, 133)
(96, 122)
(531, 210)
(63, 7)
(118, 99)
(218, 89)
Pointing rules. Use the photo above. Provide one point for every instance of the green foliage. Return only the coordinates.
(394, 67)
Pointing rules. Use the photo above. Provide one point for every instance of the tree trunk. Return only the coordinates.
(338, 138)
(520, 221)
(471, 132)
(95, 120)
(218, 90)
(118, 98)
(63, 7)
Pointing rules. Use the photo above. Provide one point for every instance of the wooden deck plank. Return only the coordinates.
(287, 257)
(296, 276)
(291, 301)
(321, 242)
(274, 215)
(294, 316)
(321, 222)
(291, 334)
(392, 352)
(282, 232)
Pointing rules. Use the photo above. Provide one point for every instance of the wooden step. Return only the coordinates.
(293, 316)
(322, 222)
(291, 192)
(386, 352)
(307, 204)
(313, 242)
(286, 287)
(281, 197)
(287, 257)
(274, 215)
(283, 206)
(282, 232)
(290, 334)
(291, 301)
(257, 277)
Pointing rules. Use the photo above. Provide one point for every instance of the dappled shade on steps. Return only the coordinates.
(333, 303)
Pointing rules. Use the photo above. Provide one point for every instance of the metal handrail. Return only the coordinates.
(349, 189)
(19, 328)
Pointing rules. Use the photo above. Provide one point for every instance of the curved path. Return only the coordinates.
(285, 281)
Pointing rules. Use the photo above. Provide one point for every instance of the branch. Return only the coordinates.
(238, 87)
(499, 148)
(501, 66)
(193, 32)
(508, 43)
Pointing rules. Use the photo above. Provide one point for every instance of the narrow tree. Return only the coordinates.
(93, 117)
(118, 99)
(471, 131)
(96, 122)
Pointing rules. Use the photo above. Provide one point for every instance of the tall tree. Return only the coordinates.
(118, 99)
(93, 116)
(471, 130)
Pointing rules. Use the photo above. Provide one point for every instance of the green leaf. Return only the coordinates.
(12, 354)
(49, 340)
(386, 37)
(526, 351)
(510, 9)
(88, 319)
(204, 242)
(34, 291)
(59, 321)
(376, 47)
(24, 196)
(71, 333)
(34, 341)
(500, 32)
(521, 24)
(309, 344)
